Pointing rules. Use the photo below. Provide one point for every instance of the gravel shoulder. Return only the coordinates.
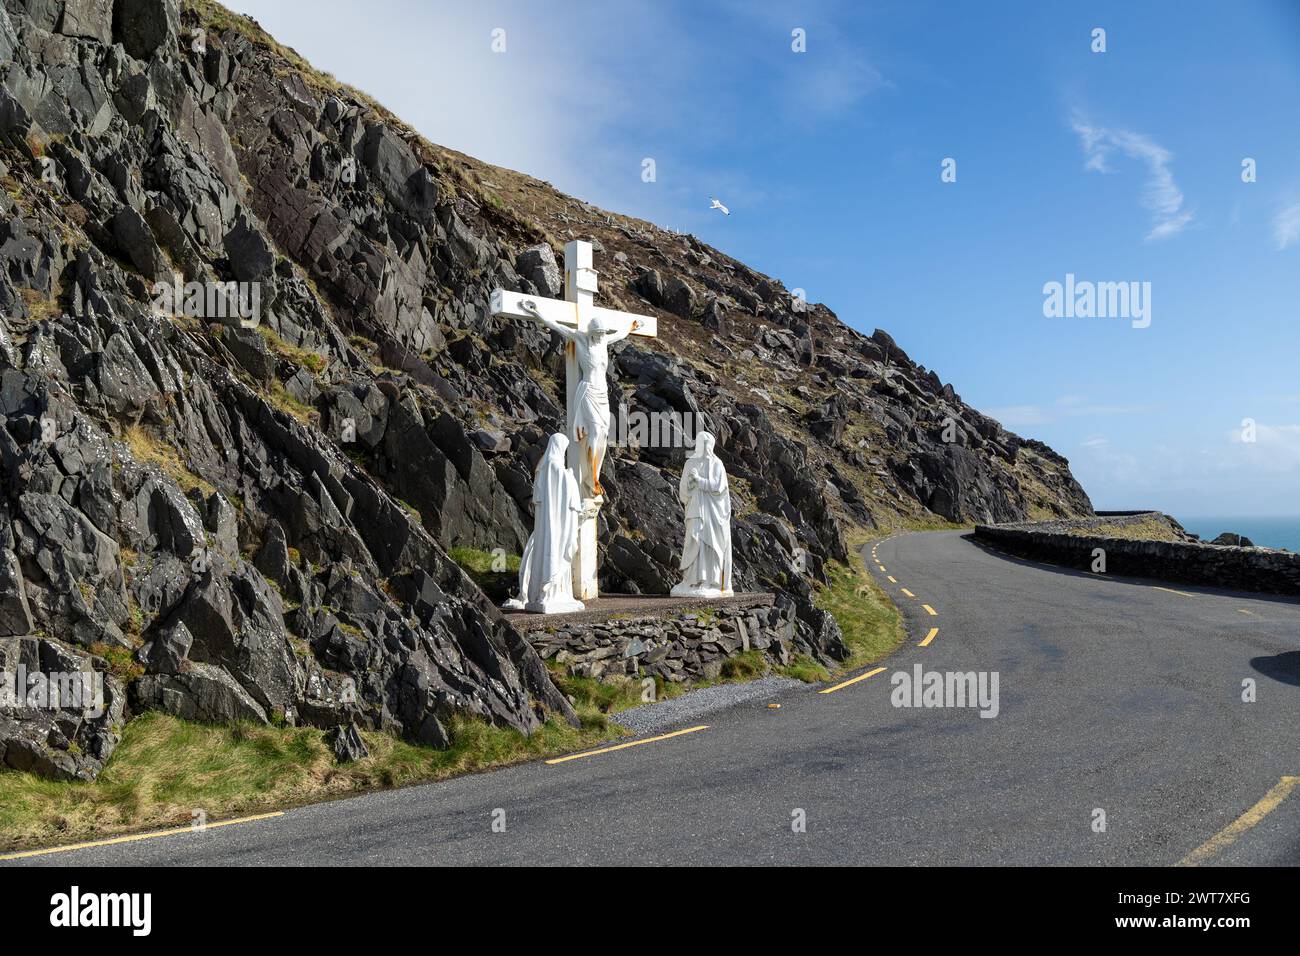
(666, 714)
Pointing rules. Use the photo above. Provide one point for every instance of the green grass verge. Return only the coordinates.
(593, 698)
(872, 626)
(927, 523)
(166, 768)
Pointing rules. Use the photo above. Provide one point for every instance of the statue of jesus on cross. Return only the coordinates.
(590, 413)
(588, 331)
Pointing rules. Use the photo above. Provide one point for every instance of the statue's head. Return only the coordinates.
(704, 442)
(597, 330)
(558, 445)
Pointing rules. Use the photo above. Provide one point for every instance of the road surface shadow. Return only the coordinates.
(1284, 667)
(1127, 580)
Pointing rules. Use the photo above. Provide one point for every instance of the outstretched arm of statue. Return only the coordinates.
(529, 306)
(619, 336)
(554, 326)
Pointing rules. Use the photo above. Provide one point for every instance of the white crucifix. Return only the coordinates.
(588, 330)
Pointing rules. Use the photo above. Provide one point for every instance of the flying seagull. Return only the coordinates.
(714, 204)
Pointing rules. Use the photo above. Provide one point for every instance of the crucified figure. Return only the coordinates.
(591, 400)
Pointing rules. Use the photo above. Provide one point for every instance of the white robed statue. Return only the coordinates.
(546, 569)
(706, 558)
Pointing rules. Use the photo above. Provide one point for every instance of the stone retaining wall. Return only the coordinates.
(1245, 569)
(685, 646)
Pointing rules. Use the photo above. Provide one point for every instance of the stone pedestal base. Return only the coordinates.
(553, 606)
(682, 590)
(679, 640)
(561, 606)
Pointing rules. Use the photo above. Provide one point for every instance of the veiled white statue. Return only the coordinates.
(706, 557)
(546, 570)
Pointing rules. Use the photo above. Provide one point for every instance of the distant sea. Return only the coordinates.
(1265, 532)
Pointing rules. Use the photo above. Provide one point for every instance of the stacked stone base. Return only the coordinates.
(687, 646)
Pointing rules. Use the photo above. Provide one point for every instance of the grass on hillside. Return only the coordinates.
(148, 450)
(475, 561)
(165, 768)
(283, 399)
(314, 362)
(481, 567)
(39, 305)
(1149, 529)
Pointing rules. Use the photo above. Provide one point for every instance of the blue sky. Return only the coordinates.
(1115, 166)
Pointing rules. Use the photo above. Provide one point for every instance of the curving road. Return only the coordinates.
(1115, 694)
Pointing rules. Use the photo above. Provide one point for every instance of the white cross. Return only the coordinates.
(577, 311)
(578, 308)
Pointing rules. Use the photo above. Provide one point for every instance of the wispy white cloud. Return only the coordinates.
(1227, 474)
(831, 77)
(1286, 226)
(1161, 195)
(1276, 448)
(833, 86)
(1019, 416)
(572, 100)
(1101, 457)
(1067, 406)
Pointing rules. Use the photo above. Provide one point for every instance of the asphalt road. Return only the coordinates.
(1115, 695)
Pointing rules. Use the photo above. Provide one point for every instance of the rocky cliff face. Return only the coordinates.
(250, 395)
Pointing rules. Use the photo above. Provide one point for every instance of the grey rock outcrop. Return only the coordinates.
(1233, 540)
(143, 27)
(61, 712)
(348, 744)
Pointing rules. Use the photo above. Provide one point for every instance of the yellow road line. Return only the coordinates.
(852, 680)
(1225, 837)
(892, 579)
(139, 836)
(929, 637)
(1172, 591)
(1244, 611)
(929, 610)
(633, 743)
(882, 568)
(908, 593)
